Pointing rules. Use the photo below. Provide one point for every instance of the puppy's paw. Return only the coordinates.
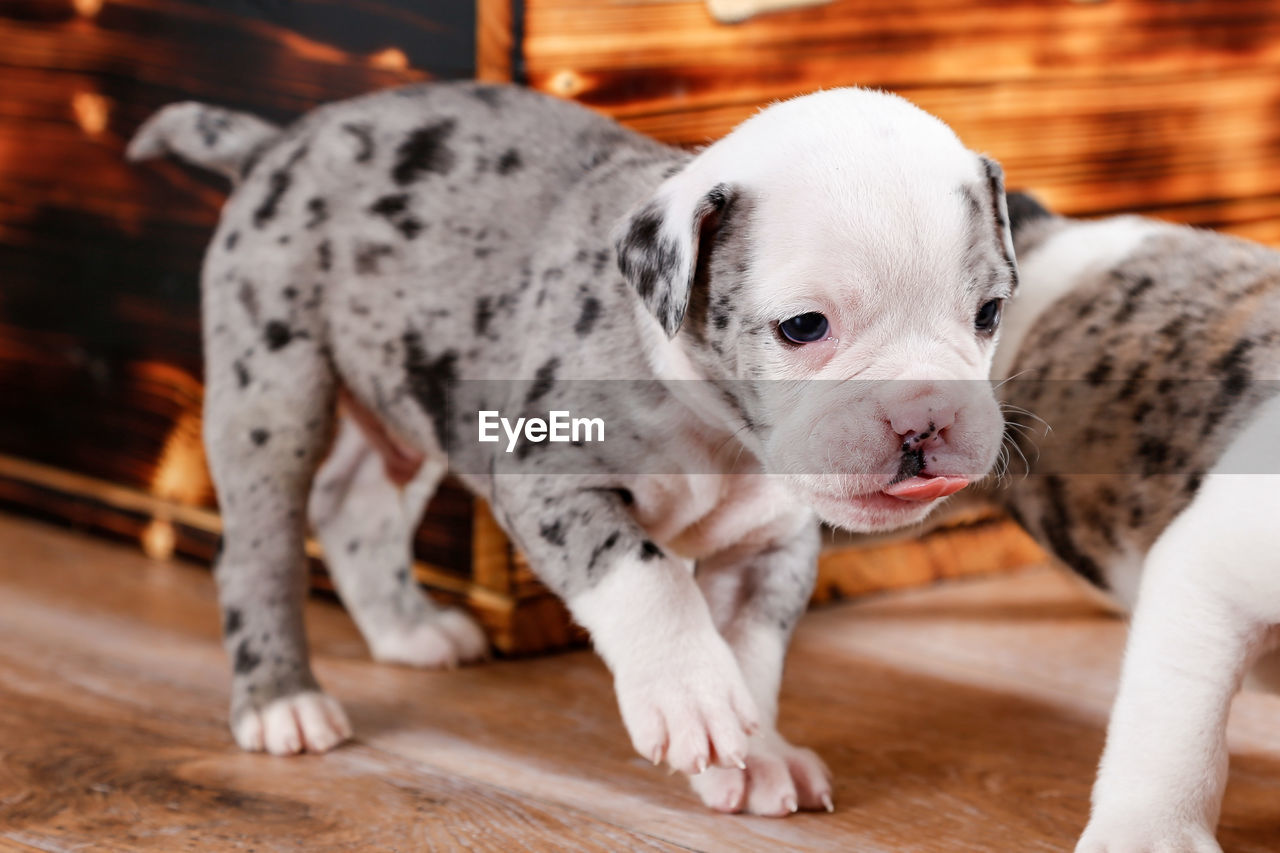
(690, 707)
(442, 640)
(1128, 832)
(310, 721)
(780, 779)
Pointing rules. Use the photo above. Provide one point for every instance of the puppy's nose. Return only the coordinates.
(922, 421)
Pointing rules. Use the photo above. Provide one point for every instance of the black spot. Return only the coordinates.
(1132, 297)
(483, 251)
(246, 661)
(1136, 515)
(277, 335)
(259, 436)
(912, 463)
(484, 314)
(1057, 526)
(544, 379)
(278, 184)
(600, 262)
(409, 227)
(1193, 483)
(248, 297)
(430, 381)
(1154, 454)
(232, 239)
(242, 374)
(324, 255)
(390, 205)
(649, 551)
(587, 319)
(626, 497)
(599, 550)
(402, 575)
(553, 533)
(210, 125)
(353, 546)
(424, 152)
(232, 622)
(509, 162)
(369, 257)
(318, 212)
(1100, 371)
(1234, 367)
(364, 137)
(283, 239)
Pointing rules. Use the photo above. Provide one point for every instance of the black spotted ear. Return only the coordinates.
(659, 245)
(995, 186)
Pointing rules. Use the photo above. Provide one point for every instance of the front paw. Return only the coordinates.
(779, 780)
(689, 706)
(1132, 831)
(310, 721)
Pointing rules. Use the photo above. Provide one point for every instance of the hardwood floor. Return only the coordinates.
(967, 717)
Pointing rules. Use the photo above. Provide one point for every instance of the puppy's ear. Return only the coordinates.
(995, 186)
(660, 242)
(1024, 208)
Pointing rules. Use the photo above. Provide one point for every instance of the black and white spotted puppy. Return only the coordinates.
(1153, 353)
(419, 249)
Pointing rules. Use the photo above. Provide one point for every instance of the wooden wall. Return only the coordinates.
(99, 259)
(1172, 108)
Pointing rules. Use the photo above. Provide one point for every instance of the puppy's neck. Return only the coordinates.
(670, 361)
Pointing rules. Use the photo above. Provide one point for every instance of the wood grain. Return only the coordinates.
(967, 717)
(1100, 107)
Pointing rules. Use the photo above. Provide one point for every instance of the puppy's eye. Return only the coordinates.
(988, 316)
(804, 328)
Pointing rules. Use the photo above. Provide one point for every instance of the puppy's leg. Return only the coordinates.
(366, 524)
(756, 600)
(268, 409)
(680, 690)
(1208, 596)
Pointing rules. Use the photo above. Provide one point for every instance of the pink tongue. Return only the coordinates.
(926, 488)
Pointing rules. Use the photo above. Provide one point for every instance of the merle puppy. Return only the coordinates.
(1153, 352)
(421, 251)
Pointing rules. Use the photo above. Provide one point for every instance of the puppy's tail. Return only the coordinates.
(211, 137)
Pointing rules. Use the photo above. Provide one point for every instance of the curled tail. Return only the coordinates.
(211, 137)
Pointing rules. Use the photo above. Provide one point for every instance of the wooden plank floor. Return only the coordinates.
(967, 717)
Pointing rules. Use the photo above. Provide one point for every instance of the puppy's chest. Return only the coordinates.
(697, 515)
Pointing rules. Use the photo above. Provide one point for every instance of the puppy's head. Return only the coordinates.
(835, 269)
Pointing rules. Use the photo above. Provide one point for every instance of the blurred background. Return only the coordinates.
(1166, 108)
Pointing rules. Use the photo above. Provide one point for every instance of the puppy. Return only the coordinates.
(453, 255)
(1152, 351)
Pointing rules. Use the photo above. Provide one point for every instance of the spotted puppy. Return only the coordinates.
(442, 250)
(1153, 350)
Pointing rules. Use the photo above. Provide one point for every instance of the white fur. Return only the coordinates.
(1209, 604)
(682, 696)
(1056, 266)
(304, 722)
